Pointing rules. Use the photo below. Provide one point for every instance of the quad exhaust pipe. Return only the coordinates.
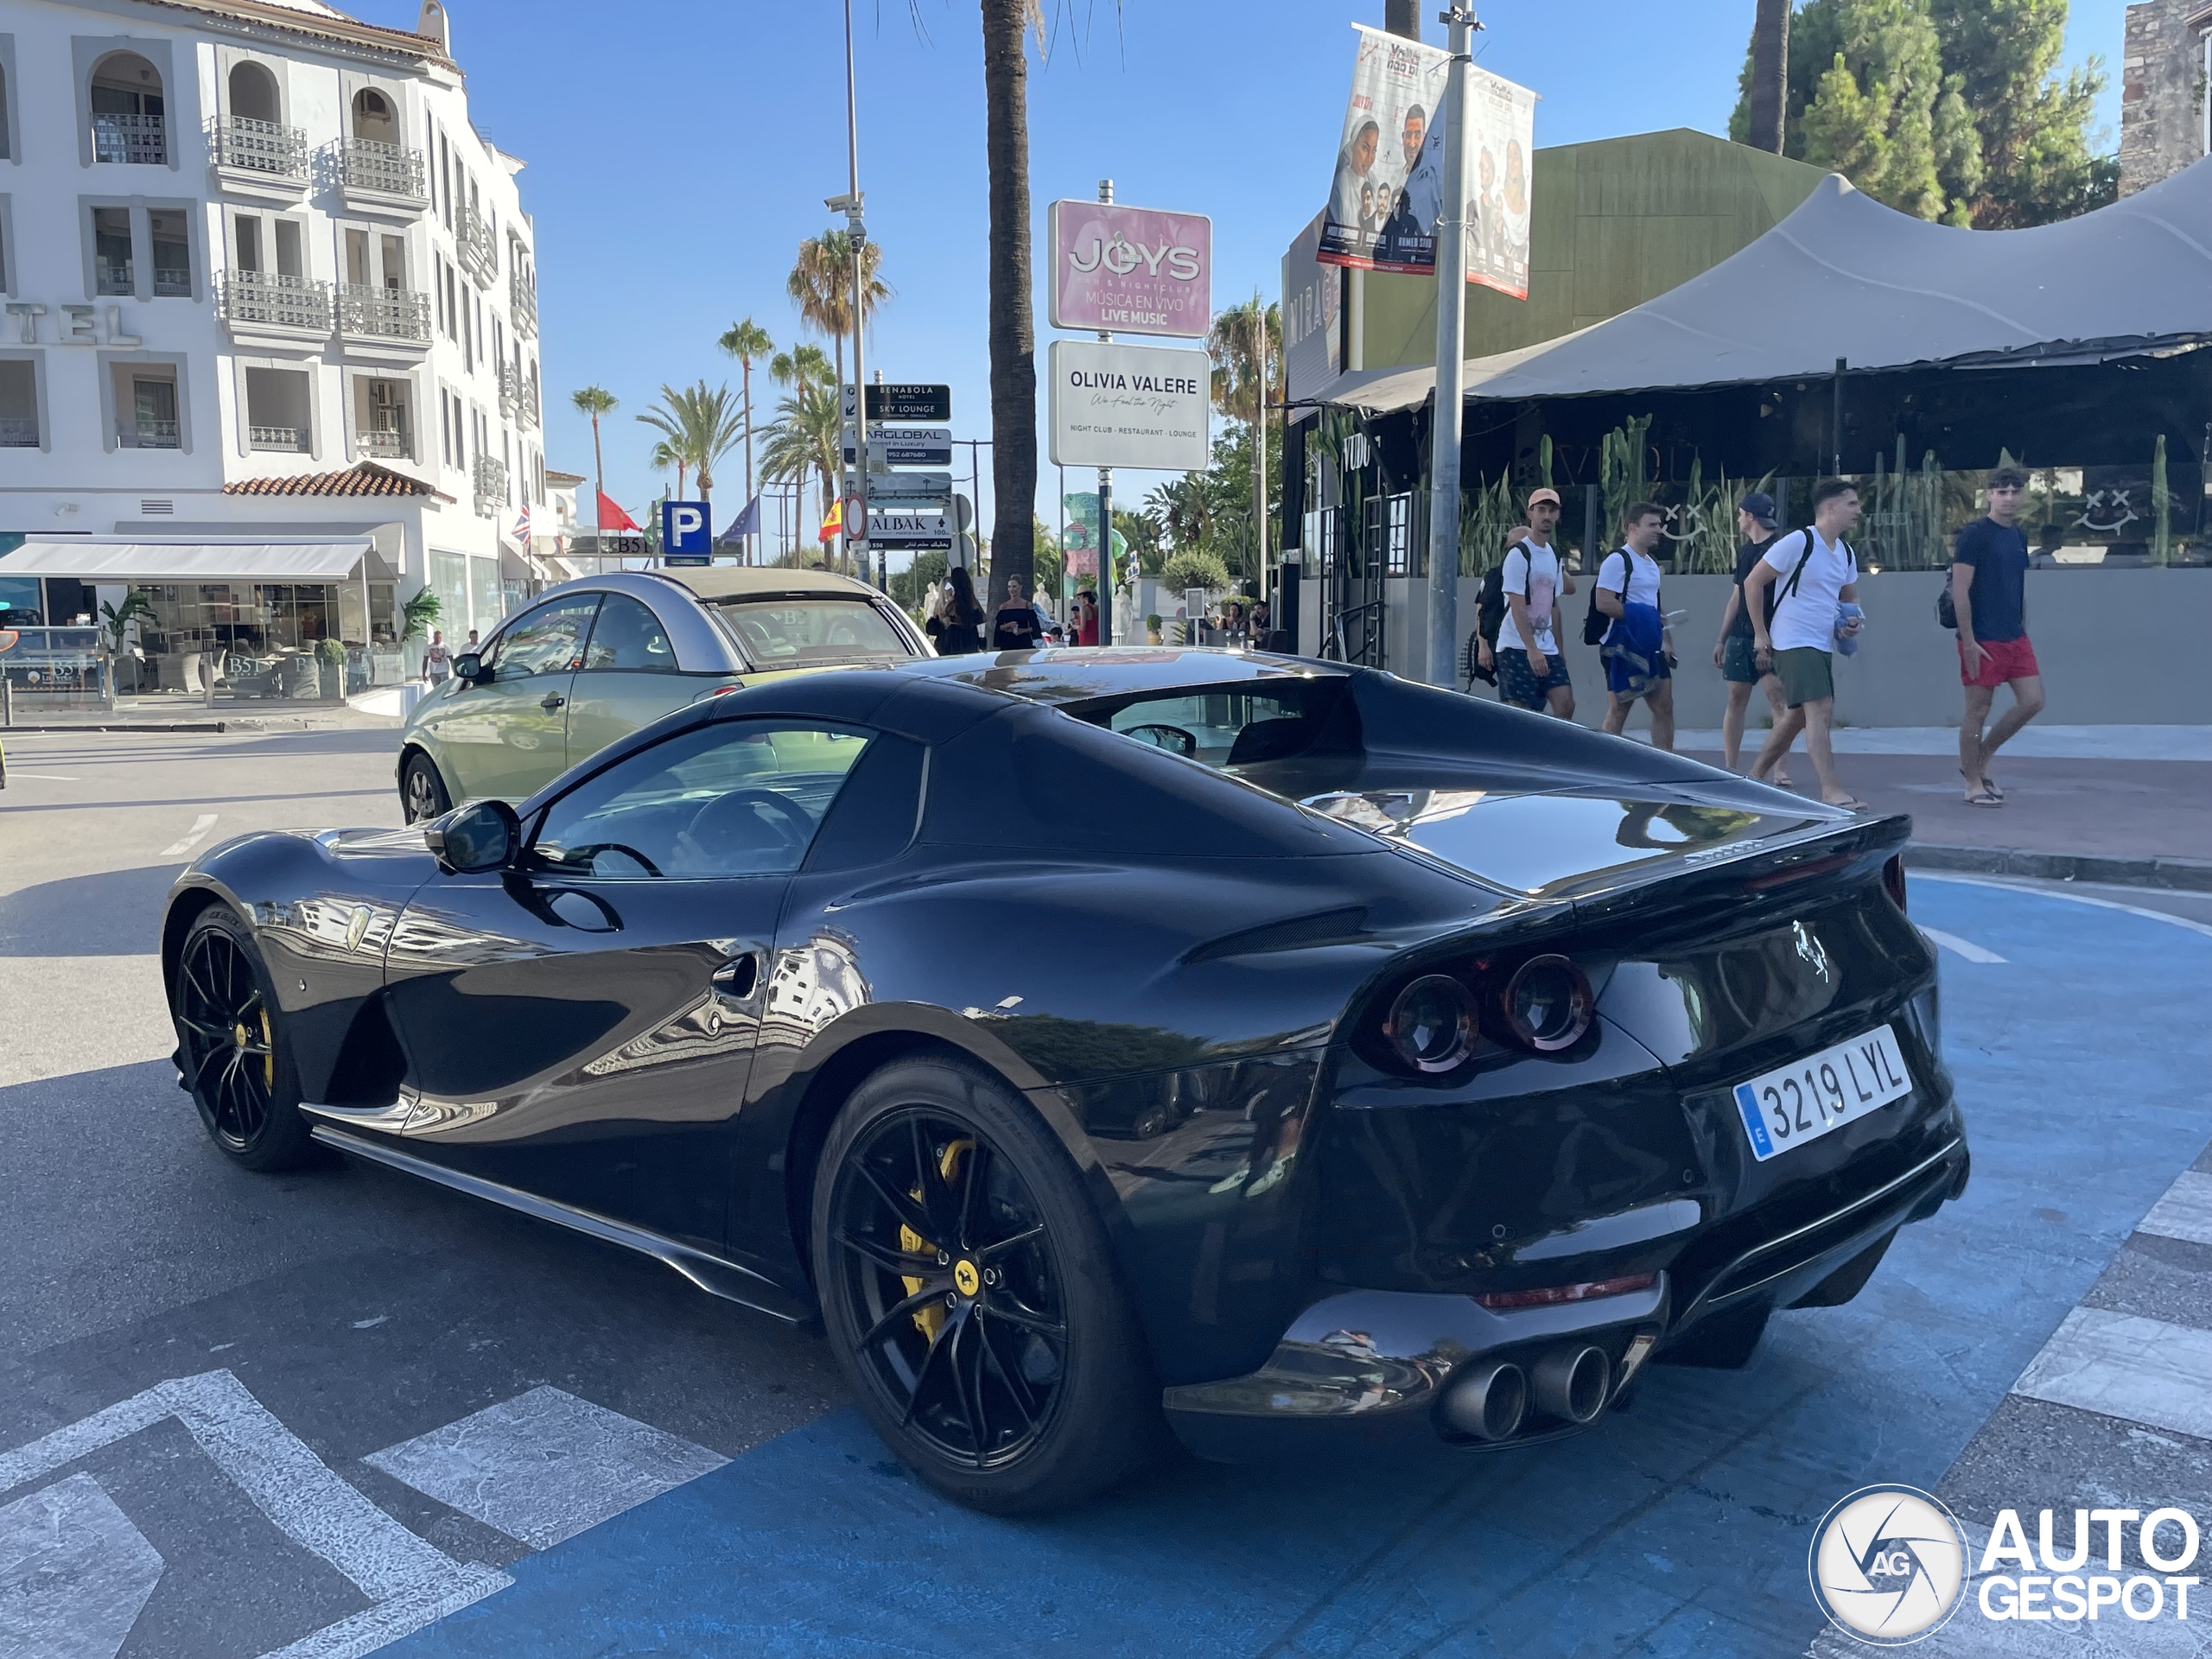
(1492, 1400)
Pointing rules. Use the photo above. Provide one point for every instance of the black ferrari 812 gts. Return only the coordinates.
(1275, 1052)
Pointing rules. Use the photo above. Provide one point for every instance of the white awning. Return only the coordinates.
(96, 562)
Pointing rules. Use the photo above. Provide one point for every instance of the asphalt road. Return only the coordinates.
(317, 1413)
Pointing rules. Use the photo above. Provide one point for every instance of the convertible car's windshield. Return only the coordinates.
(804, 631)
(734, 798)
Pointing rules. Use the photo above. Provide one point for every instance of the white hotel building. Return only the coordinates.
(270, 348)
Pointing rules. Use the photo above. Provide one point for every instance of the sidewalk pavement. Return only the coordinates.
(2120, 803)
(181, 715)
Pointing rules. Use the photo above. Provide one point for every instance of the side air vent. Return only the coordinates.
(1345, 927)
(152, 507)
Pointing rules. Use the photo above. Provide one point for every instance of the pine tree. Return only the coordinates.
(1950, 109)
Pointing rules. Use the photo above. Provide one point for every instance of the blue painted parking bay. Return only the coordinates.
(1677, 1528)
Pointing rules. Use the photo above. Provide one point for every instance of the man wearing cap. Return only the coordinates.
(1531, 672)
(1733, 652)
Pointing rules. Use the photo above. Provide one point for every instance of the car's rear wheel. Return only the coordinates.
(968, 1290)
(421, 792)
(232, 1046)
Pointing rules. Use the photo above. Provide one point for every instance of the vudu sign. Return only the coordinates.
(686, 535)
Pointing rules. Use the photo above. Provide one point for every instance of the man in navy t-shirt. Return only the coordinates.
(1989, 591)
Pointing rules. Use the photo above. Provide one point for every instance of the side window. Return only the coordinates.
(548, 640)
(735, 797)
(628, 636)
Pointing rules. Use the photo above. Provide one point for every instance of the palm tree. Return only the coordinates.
(806, 435)
(595, 401)
(1770, 86)
(821, 284)
(801, 363)
(1011, 333)
(1246, 345)
(745, 342)
(664, 455)
(701, 425)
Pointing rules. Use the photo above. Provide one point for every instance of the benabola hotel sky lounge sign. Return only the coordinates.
(1131, 269)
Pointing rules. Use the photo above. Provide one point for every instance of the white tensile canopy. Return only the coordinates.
(1844, 276)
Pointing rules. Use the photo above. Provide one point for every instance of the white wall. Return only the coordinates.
(2116, 647)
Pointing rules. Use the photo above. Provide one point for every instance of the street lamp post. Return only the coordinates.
(856, 232)
(1445, 417)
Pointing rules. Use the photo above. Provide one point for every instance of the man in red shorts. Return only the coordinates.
(1989, 591)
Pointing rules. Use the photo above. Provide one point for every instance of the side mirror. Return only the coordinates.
(482, 836)
(470, 667)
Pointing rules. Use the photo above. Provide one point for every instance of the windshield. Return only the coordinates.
(798, 633)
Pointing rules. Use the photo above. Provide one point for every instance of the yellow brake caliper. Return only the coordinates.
(929, 1319)
(269, 1042)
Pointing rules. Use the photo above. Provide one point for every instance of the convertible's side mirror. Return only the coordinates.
(482, 836)
(470, 667)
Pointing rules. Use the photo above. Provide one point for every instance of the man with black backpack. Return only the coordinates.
(1988, 606)
(1813, 574)
(1531, 670)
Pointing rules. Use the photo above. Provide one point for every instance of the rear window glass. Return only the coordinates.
(797, 633)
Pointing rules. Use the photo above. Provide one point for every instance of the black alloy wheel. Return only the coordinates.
(421, 792)
(231, 1046)
(967, 1288)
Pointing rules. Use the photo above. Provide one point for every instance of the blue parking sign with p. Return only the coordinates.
(686, 535)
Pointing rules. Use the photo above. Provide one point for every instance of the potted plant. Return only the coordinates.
(1152, 625)
(330, 659)
(115, 621)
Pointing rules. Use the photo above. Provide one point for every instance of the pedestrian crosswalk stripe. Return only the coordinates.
(2121, 1365)
(2185, 1212)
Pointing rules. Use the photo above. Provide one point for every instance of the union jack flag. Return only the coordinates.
(518, 531)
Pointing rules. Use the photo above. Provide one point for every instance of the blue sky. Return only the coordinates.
(679, 149)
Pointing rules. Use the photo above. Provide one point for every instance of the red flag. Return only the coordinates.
(610, 516)
(832, 522)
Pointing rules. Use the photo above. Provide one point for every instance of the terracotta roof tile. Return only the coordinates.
(366, 477)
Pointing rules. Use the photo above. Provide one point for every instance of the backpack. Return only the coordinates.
(1489, 601)
(1947, 612)
(1595, 621)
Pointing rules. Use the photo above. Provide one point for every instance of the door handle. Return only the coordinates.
(553, 700)
(737, 977)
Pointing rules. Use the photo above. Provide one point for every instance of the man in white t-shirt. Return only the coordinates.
(1812, 572)
(1638, 650)
(1531, 670)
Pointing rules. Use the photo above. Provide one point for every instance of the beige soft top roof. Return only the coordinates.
(740, 582)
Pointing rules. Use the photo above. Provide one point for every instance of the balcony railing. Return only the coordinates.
(389, 169)
(261, 297)
(109, 277)
(381, 445)
(142, 138)
(262, 146)
(510, 390)
(145, 434)
(291, 438)
(526, 401)
(522, 302)
(491, 484)
(383, 313)
(18, 432)
(478, 249)
(172, 282)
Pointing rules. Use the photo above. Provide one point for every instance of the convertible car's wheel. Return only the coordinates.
(231, 1038)
(969, 1291)
(421, 792)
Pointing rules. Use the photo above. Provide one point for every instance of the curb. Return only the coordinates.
(2183, 874)
(112, 726)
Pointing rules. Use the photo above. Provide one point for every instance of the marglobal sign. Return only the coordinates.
(1136, 270)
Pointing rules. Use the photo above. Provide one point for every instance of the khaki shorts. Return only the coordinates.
(1805, 675)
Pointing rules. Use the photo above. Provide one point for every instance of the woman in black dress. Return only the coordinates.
(1015, 627)
(958, 628)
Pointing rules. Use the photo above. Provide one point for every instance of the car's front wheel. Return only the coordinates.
(969, 1291)
(421, 792)
(232, 1046)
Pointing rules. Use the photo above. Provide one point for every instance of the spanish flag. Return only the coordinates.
(833, 521)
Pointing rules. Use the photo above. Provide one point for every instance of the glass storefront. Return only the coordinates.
(470, 595)
(262, 640)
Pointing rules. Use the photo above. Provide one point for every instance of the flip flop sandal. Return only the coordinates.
(1988, 787)
(1849, 803)
(1987, 797)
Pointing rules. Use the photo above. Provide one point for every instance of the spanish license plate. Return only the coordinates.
(1804, 1100)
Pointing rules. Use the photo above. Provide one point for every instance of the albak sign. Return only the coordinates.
(1131, 271)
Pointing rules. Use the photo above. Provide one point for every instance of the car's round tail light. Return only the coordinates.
(1549, 1004)
(1433, 1026)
